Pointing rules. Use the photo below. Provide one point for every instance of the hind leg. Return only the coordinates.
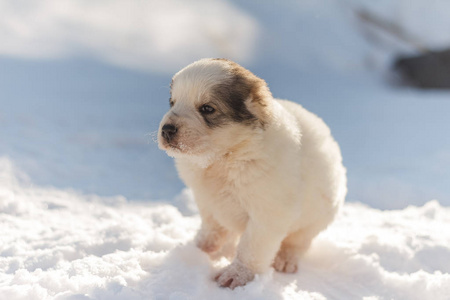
(291, 250)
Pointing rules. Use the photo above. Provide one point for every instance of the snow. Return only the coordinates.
(83, 86)
(61, 244)
(142, 35)
(422, 20)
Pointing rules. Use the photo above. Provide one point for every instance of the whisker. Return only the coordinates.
(152, 137)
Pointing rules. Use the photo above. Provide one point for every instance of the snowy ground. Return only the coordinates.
(59, 244)
(83, 86)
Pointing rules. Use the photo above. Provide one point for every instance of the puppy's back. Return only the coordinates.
(321, 159)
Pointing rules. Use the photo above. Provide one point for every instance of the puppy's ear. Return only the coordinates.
(258, 98)
(259, 102)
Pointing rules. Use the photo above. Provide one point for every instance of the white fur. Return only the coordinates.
(276, 187)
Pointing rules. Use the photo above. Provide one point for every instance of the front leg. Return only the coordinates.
(256, 250)
(211, 236)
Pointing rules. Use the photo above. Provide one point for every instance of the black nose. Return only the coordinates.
(168, 131)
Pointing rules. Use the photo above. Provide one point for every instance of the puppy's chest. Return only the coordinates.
(233, 180)
(229, 212)
(231, 191)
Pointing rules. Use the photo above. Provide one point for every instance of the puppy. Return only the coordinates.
(263, 169)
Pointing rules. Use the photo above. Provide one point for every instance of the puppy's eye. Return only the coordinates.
(206, 109)
(171, 102)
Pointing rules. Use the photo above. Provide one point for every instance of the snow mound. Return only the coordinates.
(145, 35)
(59, 244)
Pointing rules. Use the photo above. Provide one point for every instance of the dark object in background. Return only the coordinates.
(428, 70)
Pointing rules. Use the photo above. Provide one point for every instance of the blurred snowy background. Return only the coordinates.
(90, 208)
(83, 85)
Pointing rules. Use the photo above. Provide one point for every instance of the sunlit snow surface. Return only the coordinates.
(83, 86)
(60, 244)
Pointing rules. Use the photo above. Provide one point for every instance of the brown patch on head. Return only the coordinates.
(247, 96)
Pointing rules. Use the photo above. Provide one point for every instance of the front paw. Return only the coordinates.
(210, 241)
(208, 245)
(234, 275)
